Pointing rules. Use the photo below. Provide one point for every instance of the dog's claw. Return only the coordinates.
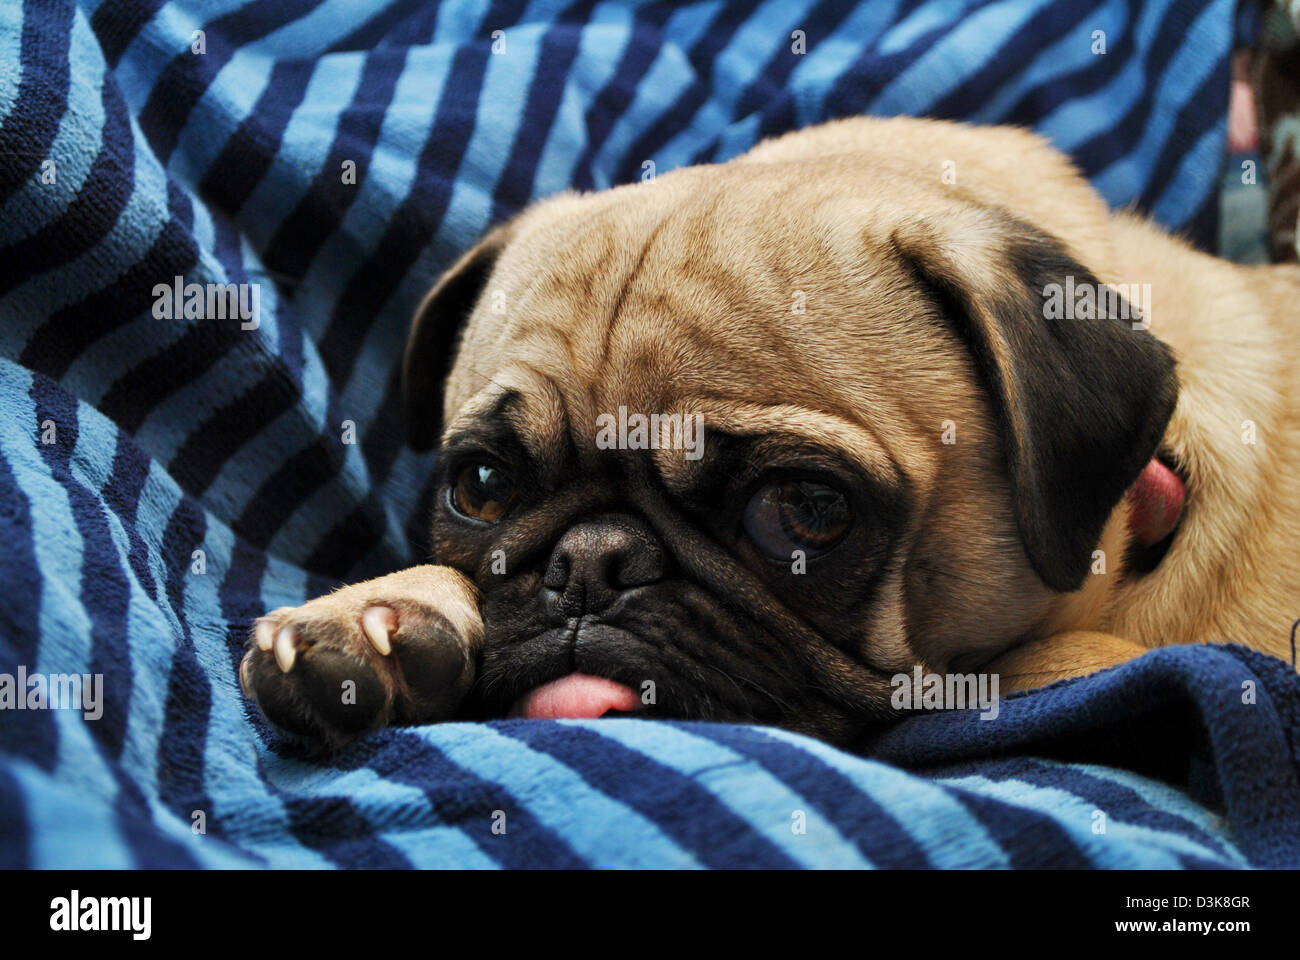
(264, 634)
(284, 649)
(379, 624)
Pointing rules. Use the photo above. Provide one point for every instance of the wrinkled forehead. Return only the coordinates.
(686, 286)
(774, 310)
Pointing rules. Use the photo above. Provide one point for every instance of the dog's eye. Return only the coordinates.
(796, 515)
(482, 492)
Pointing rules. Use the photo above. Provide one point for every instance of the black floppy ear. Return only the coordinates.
(435, 331)
(1081, 403)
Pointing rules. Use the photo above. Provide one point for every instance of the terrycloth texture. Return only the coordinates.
(163, 481)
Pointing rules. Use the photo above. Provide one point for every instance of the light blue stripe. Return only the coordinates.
(70, 824)
(950, 836)
(603, 39)
(225, 104)
(604, 832)
(168, 34)
(169, 424)
(142, 219)
(1188, 188)
(65, 627)
(1122, 846)
(827, 60)
(925, 18)
(389, 181)
(952, 60)
(736, 66)
(1161, 797)
(390, 809)
(1126, 178)
(1073, 53)
(75, 148)
(469, 210)
(11, 64)
(766, 803)
(669, 77)
(304, 148)
(239, 796)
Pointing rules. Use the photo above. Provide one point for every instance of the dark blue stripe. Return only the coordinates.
(333, 827)
(31, 734)
(27, 132)
(639, 54)
(854, 813)
(318, 214)
(118, 22)
(1031, 840)
(186, 78)
(1120, 802)
(555, 56)
(14, 829)
(87, 220)
(1046, 27)
(251, 149)
(1126, 129)
(201, 346)
(104, 599)
(674, 120)
(72, 330)
(686, 811)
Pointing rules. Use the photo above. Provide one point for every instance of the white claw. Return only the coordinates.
(379, 623)
(245, 671)
(264, 634)
(284, 651)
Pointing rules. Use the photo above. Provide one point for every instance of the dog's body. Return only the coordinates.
(931, 469)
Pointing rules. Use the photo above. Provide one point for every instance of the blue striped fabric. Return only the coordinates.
(162, 481)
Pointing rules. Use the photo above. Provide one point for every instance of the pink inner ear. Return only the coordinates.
(1155, 503)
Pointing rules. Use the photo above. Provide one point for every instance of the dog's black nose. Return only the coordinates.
(596, 561)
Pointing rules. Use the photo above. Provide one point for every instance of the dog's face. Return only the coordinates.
(879, 452)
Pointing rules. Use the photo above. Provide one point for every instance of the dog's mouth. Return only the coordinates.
(576, 696)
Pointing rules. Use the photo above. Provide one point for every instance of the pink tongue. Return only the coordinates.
(577, 695)
(1156, 503)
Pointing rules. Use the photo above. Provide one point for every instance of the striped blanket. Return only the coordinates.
(167, 472)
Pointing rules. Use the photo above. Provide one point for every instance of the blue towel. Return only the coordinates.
(163, 480)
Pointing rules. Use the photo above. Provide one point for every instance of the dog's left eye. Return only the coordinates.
(482, 492)
(796, 515)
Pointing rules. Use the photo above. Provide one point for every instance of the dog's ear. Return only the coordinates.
(435, 332)
(1082, 396)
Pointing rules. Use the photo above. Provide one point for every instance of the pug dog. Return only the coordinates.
(744, 442)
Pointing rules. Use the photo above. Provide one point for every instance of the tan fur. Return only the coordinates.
(698, 318)
(678, 296)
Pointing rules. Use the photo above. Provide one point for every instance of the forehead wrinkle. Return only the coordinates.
(804, 425)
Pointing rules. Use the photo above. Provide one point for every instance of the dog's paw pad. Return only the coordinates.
(332, 669)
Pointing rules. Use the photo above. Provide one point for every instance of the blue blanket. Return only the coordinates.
(164, 478)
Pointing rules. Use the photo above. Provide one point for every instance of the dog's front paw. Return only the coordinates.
(399, 649)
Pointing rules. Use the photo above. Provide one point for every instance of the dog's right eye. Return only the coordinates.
(796, 515)
(482, 492)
